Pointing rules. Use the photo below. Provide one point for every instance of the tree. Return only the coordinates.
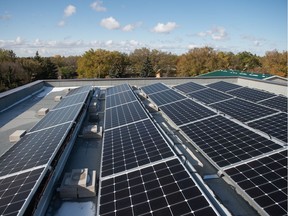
(275, 62)
(147, 68)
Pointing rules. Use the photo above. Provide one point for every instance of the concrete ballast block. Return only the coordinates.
(43, 111)
(58, 98)
(17, 135)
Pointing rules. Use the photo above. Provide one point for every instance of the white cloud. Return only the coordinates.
(5, 16)
(97, 6)
(217, 33)
(128, 28)
(164, 28)
(69, 10)
(110, 23)
(61, 23)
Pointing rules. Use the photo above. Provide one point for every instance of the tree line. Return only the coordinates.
(143, 62)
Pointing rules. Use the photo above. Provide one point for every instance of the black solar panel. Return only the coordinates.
(243, 110)
(251, 94)
(209, 96)
(117, 89)
(33, 150)
(186, 111)
(275, 126)
(124, 114)
(279, 103)
(132, 146)
(265, 181)
(162, 189)
(72, 100)
(154, 88)
(189, 87)
(79, 90)
(120, 98)
(226, 142)
(223, 86)
(58, 116)
(166, 97)
(15, 191)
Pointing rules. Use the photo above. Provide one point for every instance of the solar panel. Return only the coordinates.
(132, 146)
(166, 97)
(265, 181)
(243, 110)
(71, 100)
(275, 126)
(154, 88)
(189, 87)
(33, 150)
(16, 190)
(209, 96)
(278, 102)
(251, 94)
(223, 86)
(58, 116)
(79, 90)
(120, 98)
(226, 142)
(117, 89)
(124, 114)
(162, 189)
(185, 111)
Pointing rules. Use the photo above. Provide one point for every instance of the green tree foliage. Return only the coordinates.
(147, 68)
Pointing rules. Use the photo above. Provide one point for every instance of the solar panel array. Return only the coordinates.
(243, 110)
(278, 102)
(224, 86)
(166, 97)
(140, 174)
(119, 98)
(275, 125)
(256, 164)
(154, 88)
(265, 181)
(251, 94)
(209, 96)
(24, 165)
(186, 111)
(189, 87)
(226, 142)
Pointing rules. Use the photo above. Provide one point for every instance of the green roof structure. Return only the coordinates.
(235, 73)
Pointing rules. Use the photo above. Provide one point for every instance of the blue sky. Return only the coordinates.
(71, 27)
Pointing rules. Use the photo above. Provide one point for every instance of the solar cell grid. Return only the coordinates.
(189, 87)
(59, 116)
(243, 110)
(279, 103)
(166, 97)
(226, 142)
(209, 96)
(124, 114)
(119, 99)
(223, 86)
(15, 190)
(132, 146)
(186, 111)
(79, 90)
(117, 89)
(154, 88)
(161, 189)
(251, 94)
(33, 150)
(265, 181)
(73, 99)
(275, 126)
